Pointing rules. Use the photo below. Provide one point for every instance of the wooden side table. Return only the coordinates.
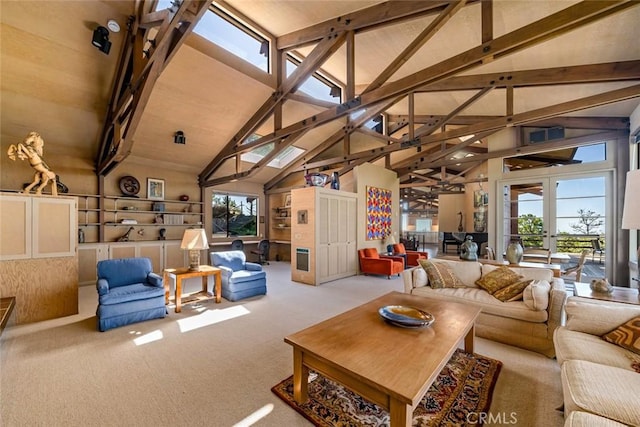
(619, 294)
(182, 273)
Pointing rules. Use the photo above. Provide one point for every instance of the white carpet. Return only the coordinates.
(213, 364)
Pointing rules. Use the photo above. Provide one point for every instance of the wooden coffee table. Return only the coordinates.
(388, 365)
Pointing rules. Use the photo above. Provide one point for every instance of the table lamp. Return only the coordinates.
(194, 240)
(631, 212)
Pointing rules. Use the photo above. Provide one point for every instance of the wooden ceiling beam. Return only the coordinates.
(367, 19)
(416, 44)
(576, 74)
(420, 158)
(327, 47)
(521, 38)
(437, 123)
(137, 74)
(565, 143)
(297, 164)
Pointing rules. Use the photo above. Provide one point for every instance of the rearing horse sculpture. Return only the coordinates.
(31, 149)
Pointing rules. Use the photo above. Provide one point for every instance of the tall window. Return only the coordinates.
(234, 215)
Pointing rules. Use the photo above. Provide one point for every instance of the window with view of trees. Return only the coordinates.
(234, 215)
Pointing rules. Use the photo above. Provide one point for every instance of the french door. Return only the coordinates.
(563, 213)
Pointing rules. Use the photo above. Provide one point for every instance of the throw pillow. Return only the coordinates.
(498, 279)
(626, 335)
(440, 275)
(512, 292)
(536, 295)
(420, 278)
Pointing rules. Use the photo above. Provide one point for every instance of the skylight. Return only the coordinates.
(316, 85)
(283, 158)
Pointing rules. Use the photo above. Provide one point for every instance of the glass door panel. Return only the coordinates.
(523, 216)
(581, 221)
(568, 215)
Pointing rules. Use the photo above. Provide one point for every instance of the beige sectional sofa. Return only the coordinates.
(528, 323)
(599, 382)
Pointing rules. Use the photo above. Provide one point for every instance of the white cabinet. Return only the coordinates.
(336, 248)
(323, 235)
(37, 226)
(38, 259)
(88, 256)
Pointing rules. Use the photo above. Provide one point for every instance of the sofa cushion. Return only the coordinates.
(572, 345)
(467, 271)
(626, 335)
(498, 279)
(597, 318)
(371, 253)
(488, 304)
(440, 275)
(602, 390)
(513, 292)
(536, 295)
(585, 419)
(135, 292)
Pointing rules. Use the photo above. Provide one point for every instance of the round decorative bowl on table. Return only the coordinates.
(406, 317)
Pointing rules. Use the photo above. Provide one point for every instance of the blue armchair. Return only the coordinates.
(128, 292)
(240, 279)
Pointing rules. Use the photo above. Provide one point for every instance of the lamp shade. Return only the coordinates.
(631, 212)
(194, 239)
(391, 240)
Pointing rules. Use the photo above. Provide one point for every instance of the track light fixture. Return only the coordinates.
(101, 39)
(179, 137)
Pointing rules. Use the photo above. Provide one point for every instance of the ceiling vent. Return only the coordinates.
(544, 135)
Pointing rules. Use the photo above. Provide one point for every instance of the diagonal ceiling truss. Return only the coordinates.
(380, 95)
(153, 38)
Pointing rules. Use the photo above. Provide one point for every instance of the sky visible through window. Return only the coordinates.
(573, 194)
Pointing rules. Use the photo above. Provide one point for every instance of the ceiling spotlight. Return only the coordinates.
(179, 137)
(101, 39)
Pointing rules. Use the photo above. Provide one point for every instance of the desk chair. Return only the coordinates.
(262, 251)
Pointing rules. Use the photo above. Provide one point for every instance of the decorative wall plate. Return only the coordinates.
(129, 186)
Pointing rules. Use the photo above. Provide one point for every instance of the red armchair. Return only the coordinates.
(411, 256)
(373, 263)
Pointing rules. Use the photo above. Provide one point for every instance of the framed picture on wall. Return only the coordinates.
(287, 200)
(155, 189)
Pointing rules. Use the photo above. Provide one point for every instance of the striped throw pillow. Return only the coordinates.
(626, 335)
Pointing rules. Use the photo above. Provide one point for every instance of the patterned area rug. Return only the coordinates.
(462, 390)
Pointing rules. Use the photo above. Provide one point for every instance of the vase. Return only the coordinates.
(469, 249)
(514, 253)
(335, 181)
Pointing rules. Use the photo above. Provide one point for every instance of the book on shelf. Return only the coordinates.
(128, 221)
(172, 219)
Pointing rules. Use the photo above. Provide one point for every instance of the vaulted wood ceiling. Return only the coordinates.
(439, 70)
